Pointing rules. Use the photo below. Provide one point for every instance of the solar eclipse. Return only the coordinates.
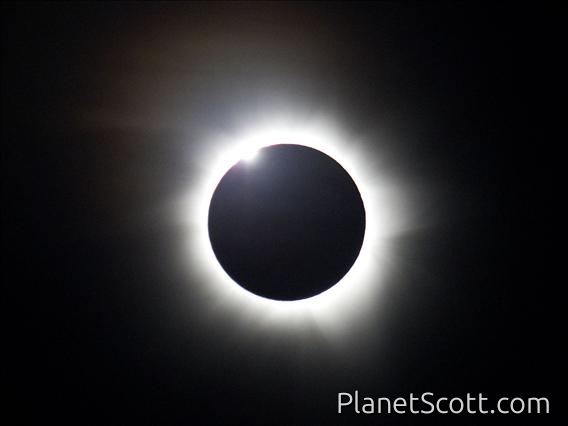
(289, 225)
(166, 265)
(345, 298)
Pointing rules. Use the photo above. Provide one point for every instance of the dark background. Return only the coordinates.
(93, 100)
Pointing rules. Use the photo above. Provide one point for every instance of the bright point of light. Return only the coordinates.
(250, 156)
(343, 306)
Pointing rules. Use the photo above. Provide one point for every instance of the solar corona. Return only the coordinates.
(239, 283)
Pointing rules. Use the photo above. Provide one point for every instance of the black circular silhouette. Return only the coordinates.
(288, 225)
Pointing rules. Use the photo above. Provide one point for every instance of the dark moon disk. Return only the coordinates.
(287, 225)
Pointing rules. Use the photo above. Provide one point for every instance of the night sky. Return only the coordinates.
(108, 111)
